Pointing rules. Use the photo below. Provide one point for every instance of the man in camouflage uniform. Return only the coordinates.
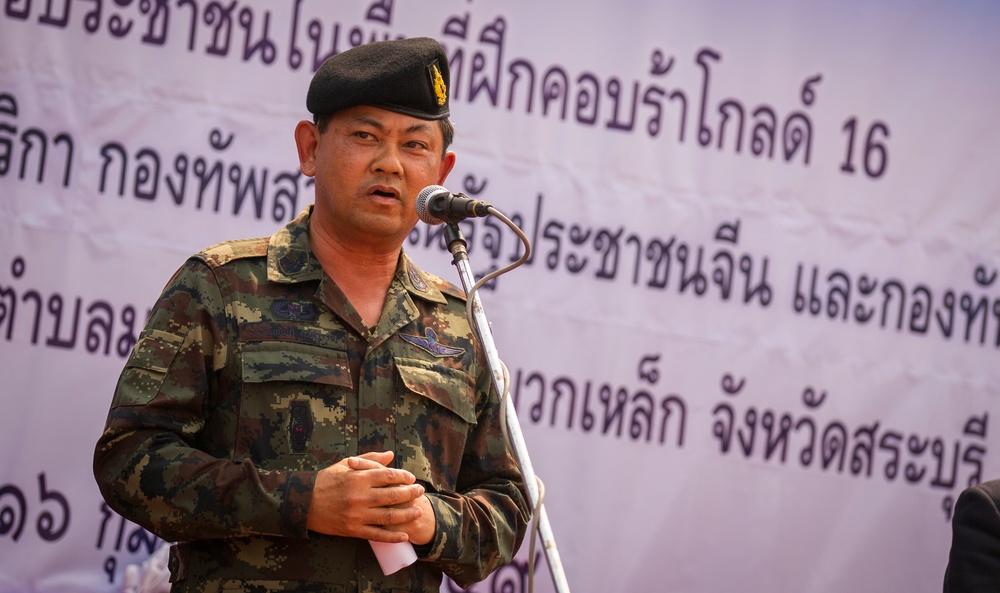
(292, 397)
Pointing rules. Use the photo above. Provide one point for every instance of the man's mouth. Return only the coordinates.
(383, 191)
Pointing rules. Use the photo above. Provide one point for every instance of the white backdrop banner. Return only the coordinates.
(754, 349)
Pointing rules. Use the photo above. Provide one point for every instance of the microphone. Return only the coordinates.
(436, 205)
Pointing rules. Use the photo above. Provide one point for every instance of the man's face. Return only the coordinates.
(369, 166)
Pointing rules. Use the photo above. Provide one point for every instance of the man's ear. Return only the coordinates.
(306, 141)
(447, 164)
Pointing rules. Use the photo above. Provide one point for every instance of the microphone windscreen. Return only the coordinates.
(423, 198)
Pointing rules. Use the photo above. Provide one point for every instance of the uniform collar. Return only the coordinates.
(416, 281)
(290, 259)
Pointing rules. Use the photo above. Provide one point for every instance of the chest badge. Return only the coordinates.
(429, 343)
(415, 279)
(294, 310)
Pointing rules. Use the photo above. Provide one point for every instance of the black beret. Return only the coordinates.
(408, 76)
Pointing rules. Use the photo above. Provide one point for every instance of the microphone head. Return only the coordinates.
(424, 197)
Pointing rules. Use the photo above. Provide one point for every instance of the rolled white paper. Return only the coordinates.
(393, 556)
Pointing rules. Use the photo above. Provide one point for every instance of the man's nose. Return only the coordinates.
(387, 160)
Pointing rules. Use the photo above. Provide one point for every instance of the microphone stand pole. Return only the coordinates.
(457, 246)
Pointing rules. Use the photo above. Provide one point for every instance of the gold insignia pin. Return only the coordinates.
(440, 90)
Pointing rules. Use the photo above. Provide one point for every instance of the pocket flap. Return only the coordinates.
(451, 388)
(146, 368)
(292, 361)
(155, 351)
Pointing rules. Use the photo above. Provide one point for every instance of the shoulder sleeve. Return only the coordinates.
(151, 463)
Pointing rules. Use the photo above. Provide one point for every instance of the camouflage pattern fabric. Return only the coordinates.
(240, 389)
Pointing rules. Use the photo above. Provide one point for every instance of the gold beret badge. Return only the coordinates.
(440, 90)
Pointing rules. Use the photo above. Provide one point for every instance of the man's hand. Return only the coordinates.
(420, 530)
(360, 497)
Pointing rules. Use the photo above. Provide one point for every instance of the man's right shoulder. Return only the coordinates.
(223, 253)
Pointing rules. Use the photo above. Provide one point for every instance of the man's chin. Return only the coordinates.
(388, 228)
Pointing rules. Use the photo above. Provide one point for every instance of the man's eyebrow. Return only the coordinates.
(417, 127)
(362, 119)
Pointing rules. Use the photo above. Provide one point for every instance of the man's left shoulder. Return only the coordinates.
(444, 286)
(421, 280)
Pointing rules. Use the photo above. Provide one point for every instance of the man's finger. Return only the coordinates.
(388, 517)
(362, 463)
(382, 477)
(382, 457)
(377, 534)
(392, 496)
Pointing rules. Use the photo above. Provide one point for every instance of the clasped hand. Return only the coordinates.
(361, 497)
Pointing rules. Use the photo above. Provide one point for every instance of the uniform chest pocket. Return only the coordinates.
(293, 408)
(434, 419)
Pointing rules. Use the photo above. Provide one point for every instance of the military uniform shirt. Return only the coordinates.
(240, 388)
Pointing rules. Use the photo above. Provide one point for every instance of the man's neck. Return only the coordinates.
(363, 274)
